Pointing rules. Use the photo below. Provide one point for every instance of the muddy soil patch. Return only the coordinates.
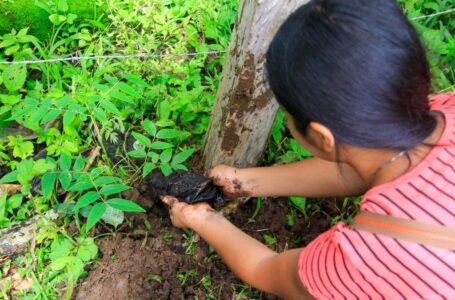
(167, 263)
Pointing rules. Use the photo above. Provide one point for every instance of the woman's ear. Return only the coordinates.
(321, 137)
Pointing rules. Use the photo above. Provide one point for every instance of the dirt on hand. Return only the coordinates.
(188, 187)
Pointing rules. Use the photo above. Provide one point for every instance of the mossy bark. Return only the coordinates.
(19, 14)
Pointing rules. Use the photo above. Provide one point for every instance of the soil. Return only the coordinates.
(168, 263)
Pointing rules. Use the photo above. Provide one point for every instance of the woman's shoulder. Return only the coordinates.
(443, 101)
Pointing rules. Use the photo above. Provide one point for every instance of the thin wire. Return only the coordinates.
(435, 14)
(143, 55)
(112, 56)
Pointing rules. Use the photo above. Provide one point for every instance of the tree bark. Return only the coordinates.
(245, 109)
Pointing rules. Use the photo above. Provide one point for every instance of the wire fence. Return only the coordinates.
(74, 58)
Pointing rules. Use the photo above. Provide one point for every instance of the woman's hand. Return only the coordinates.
(230, 180)
(187, 216)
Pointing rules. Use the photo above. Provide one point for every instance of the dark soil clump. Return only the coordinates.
(163, 263)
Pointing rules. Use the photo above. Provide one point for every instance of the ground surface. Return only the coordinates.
(166, 265)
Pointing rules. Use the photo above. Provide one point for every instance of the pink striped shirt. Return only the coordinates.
(345, 263)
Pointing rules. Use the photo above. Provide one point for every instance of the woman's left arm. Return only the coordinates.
(251, 260)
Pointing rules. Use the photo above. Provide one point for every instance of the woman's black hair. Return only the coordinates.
(356, 66)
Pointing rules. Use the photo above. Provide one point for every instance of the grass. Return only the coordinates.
(82, 113)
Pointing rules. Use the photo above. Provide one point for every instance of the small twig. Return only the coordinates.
(93, 155)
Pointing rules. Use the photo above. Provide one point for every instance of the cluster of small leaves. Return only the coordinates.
(95, 192)
(160, 149)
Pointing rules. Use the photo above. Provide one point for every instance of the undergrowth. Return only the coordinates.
(75, 134)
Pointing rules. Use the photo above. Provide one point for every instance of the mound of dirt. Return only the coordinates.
(165, 264)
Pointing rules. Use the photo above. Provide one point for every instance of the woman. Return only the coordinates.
(354, 81)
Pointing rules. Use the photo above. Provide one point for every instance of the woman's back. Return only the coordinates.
(349, 263)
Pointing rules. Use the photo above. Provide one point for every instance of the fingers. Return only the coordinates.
(169, 200)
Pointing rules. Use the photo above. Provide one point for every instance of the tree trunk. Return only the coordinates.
(245, 109)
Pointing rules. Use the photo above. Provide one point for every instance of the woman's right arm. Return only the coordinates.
(312, 177)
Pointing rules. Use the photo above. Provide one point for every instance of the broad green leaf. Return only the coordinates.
(95, 214)
(154, 156)
(63, 102)
(65, 161)
(149, 126)
(128, 90)
(68, 118)
(166, 169)
(140, 153)
(136, 80)
(179, 167)
(47, 183)
(87, 249)
(113, 216)
(110, 107)
(166, 155)
(86, 199)
(51, 115)
(81, 186)
(120, 96)
(169, 134)
(113, 189)
(62, 5)
(299, 203)
(182, 156)
(10, 177)
(158, 145)
(79, 164)
(100, 115)
(142, 139)
(14, 77)
(65, 180)
(125, 205)
(103, 180)
(148, 168)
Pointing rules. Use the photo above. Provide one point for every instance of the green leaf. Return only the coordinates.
(86, 199)
(166, 169)
(65, 180)
(179, 167)
(182, 156)
(10, 177)
(81, 186)
(149, 127)
(154, 156)
(14, 77)
(113, 216)
(136, 80)
(47, 183)
(128, 90)
(79, 164)
(114, 189)
(124, 205)
(62, 5)
(68, 118)
(103, 180)
(95, 214)
(65, 161)
(100, 115)
(51, 115)
(169, 134)
(148, 168)
(87, 249)
(110, 107)
(166, 155)
(63, 102)
(57, 19)
(140, 153)
(299, 203)
(120, 96)
(142, 139)
(158, 145)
